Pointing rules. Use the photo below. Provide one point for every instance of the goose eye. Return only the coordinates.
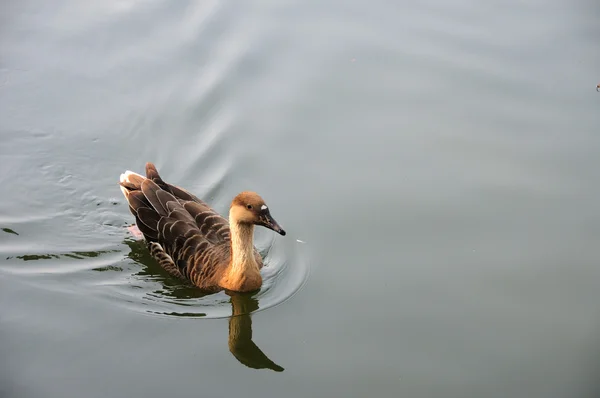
(249, 207)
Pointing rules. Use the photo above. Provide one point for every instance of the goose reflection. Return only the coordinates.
(240, 334)
(242, 305)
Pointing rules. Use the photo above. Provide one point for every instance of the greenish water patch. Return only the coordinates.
(108, 268)
(73, 255)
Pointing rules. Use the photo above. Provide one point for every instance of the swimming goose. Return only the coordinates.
(192, 241)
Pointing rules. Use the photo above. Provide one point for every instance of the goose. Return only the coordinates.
(192, 241)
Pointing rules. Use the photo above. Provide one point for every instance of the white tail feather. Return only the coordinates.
(125, 176)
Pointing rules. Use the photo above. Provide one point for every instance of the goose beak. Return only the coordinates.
(266, 220)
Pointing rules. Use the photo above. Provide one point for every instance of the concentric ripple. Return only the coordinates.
(150, 290)
(128, 277)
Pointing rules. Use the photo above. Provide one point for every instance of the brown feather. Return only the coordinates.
(150, 189)
(149, 218)
(137, 200)
(150, 233)
(165, 198)
(151, 172)
(164, 260)
(181, 215)
(178, 228)
(182, 193)
(163, 226)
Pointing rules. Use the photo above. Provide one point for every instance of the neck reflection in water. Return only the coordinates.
(240, 334)
(242, 305)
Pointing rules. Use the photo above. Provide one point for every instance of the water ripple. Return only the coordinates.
(130, 278)
(152, 291)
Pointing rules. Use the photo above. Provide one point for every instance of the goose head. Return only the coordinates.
(250, 208)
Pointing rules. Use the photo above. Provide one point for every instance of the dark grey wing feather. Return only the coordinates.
(149, 217)
(137, 200)
(165, 198)
(211, 224)
(149, 233)
(183, 194)
(150, 189)
(177, 229)
(152, 174)
(147, 222)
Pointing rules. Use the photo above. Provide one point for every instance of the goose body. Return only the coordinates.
(192, 241)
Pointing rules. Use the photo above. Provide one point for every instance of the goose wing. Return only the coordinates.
(212, 225)
(188, 238)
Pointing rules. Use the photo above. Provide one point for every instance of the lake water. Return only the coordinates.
(435, 164)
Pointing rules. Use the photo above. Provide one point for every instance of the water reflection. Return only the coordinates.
(240, 334)
(155, 291)
(79, 255)
(181, 293)
(170, 287)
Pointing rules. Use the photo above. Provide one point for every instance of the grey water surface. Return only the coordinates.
(435, 164)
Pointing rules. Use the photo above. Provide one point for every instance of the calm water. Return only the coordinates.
(438, 162)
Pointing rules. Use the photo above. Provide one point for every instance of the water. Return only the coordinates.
(439, 162)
